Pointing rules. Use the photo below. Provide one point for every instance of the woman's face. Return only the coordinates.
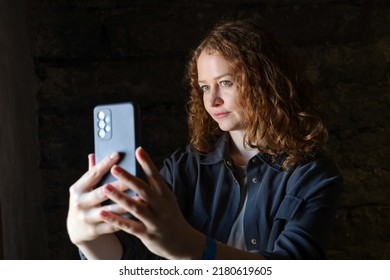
(220, 95)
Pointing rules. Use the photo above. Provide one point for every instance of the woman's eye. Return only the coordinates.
(204, 88)
(225, 83)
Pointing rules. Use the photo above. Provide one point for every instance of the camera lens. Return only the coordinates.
(101, 115)
(102, 133)
(101, 124)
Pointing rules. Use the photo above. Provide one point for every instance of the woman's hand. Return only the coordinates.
(160, 224)
(84, 222)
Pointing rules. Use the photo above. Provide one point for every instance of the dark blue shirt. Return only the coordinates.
(287, 215)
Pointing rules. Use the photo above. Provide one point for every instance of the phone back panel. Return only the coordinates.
(116, 130)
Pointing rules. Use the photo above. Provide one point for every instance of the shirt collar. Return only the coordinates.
(221, 149)
(218, 153)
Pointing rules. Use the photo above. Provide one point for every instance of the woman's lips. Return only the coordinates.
(219, 115)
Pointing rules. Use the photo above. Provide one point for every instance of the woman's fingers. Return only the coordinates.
(93, 215)
(134, 205)
(105, 228)
(152, 174)
(97, 196)
(155, 192)
(131, 182)
(117, 222)
(91, 178)
(158, 218)
(91, 161)
(84, 221)
(156, 185)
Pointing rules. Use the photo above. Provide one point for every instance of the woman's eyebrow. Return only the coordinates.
(216, 78)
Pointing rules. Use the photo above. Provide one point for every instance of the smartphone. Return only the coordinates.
(116, 129)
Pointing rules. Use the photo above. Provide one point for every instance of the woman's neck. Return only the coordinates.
(239, 153)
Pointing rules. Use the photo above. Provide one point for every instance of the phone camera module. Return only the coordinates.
(104, 124)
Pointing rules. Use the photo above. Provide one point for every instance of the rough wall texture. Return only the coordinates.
(22, 228)
(95, 51)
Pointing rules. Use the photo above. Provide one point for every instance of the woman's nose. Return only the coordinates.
(215, 98)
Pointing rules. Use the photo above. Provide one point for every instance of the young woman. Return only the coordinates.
(252, 183)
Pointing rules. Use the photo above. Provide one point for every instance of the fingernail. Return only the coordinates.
(117, 169)
(109, 188)
(104, 214)
(114, 155)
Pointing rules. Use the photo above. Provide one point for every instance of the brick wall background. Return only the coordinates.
(95, 51)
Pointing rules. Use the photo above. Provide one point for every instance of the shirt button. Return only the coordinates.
(255, 180)
(229, 163)
(253, 241)
(254, 160)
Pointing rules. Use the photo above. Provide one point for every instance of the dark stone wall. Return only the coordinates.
(94, 51)
(22, 227)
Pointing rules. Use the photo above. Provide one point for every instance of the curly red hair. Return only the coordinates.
(281, 117)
